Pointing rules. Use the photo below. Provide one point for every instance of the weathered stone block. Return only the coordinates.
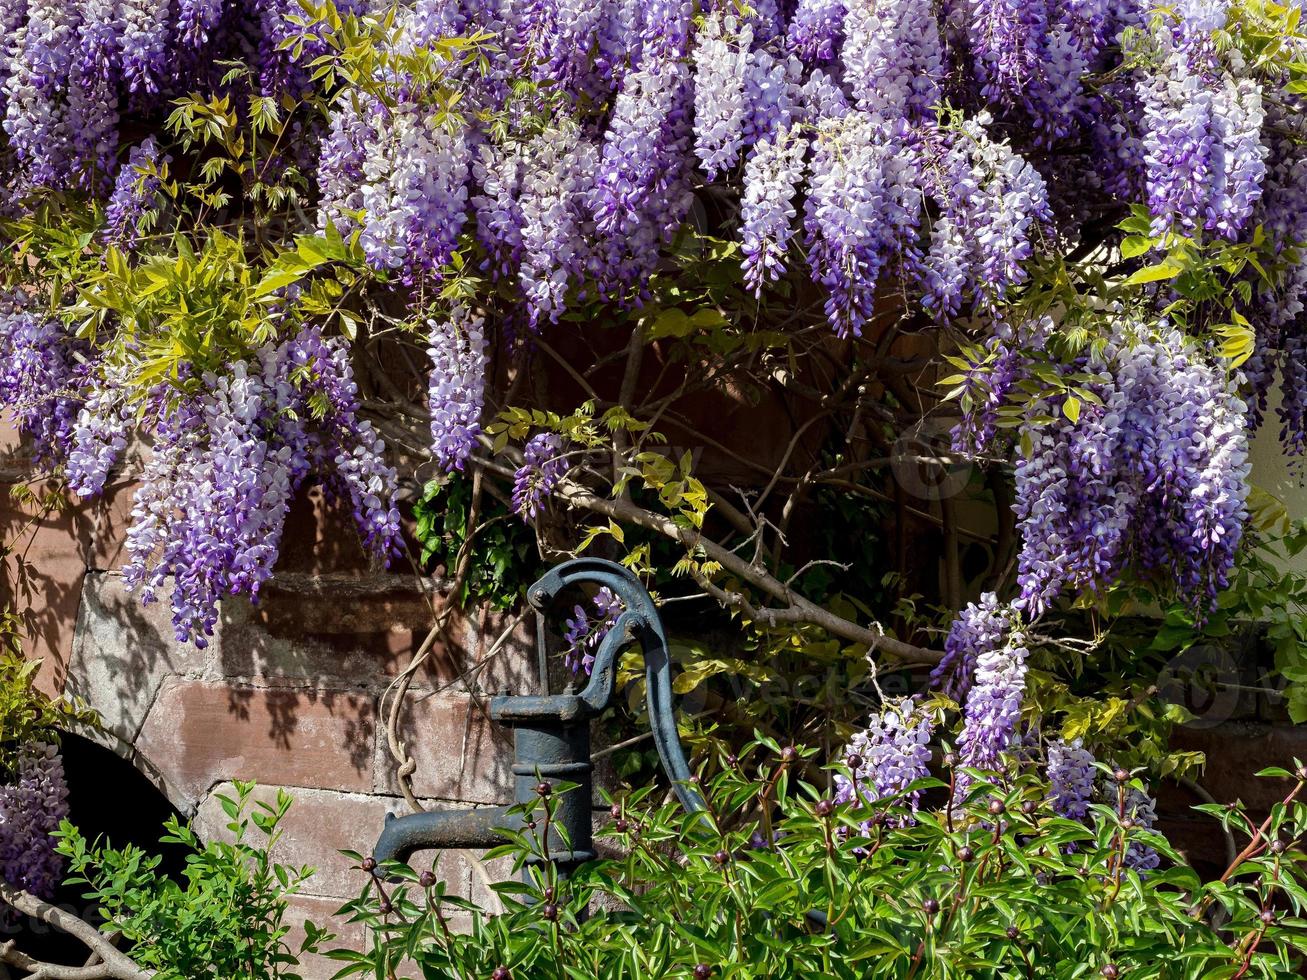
(122, 650)
(200, 733)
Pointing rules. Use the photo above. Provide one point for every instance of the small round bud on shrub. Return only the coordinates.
(721, 857)
(1013, 933)
(1121, 776)
(825, 808)
(966, 854)
(621, 826)
(996, 807)
(369, 865)
(1127, 824)
(531, 824)
(1267, 917)
(1110, 971)
(385, 907)
(950, 760)
(789, 754)
(702, 971)
(543, 789)
(1277, 847)
(1301, 773)
(549, 893)
(732, 761)
(550, 912)
(501, 973)
(1028, 807)
(695, 780)
(854, 761)
(426, 879)
(930, 906)
(615, 810)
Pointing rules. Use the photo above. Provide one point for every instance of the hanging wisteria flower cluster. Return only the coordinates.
(230, 454)
(32, 803)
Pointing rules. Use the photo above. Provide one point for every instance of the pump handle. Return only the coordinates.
(639, 620)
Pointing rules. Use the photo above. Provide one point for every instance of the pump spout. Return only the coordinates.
(476, 828)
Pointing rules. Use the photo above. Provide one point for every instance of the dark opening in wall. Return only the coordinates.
(108, 799)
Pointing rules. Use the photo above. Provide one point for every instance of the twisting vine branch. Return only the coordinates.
(114, 965)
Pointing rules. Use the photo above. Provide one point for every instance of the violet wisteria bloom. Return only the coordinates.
(100, 433)
(457, 389)
(543, 465)
(888, 756)
(721, 60)
(1070, 771)
(992, 714)
(893, 57)
(587, 630)
(816, 29)
(31, 807)
(1142, 809)
(414, 192)
(863, 204)
(980, 628)
(1202, 142)
(135, 191)
(39, 378)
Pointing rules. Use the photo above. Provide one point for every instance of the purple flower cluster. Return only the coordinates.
(1154, 476)
(208, 517)
(980, 628)
(1142, 809)
(1070, 771)
(862, 204)
(458, 386)
(543, 465)
(888, 756)
(992, 715)
(414, 192)
(32, 803)
(39, 377)
(1202, 124)
(135, 192)
(721, 61)
(772, 175)
(586, 631)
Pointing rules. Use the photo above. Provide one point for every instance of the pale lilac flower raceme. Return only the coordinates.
(893, 58)
(992, 714)
(862, 206)
(458, 386)
(39, 376)
(721, 61)
(980, 628)
(888, 756)
(543, 466)
(772, 175)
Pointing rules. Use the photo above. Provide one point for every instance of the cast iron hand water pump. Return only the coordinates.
(551, 732)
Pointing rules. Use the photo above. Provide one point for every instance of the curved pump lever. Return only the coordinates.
(640, 621)
(551, 732)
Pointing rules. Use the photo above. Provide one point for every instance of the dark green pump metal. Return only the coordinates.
(551, 732)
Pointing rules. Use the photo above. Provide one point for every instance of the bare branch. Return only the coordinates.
(115, 966)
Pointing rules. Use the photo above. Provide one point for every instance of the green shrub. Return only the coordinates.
(226, 921)
(994, 886)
